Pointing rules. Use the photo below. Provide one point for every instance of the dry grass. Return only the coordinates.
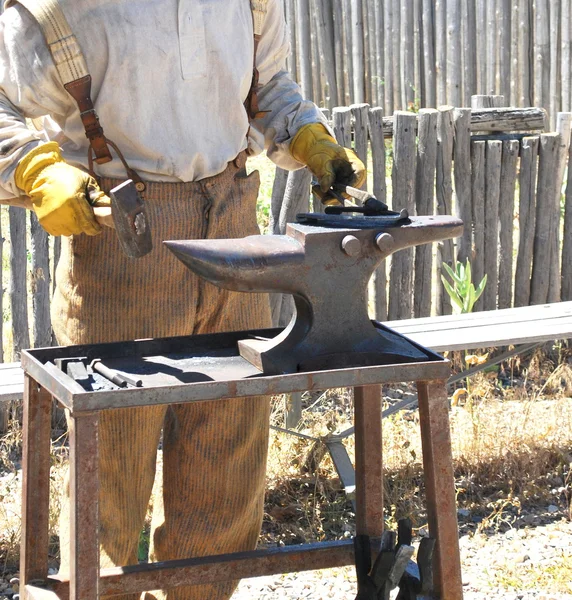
(10, 495)
(556, 577)
(512, 449)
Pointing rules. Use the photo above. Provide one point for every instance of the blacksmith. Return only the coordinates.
(169, 84)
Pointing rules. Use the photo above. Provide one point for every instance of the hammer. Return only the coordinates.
(130, 220)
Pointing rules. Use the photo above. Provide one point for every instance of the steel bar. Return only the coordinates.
(36, 482)
(369, 468)
(440, 487)
(343, 466)
(166, 575)
(84, 507)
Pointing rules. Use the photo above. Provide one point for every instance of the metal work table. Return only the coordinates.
(209, 368)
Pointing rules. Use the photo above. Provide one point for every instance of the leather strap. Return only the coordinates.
(71, 65)
(259, 9)
(251, 102)
(80, 91)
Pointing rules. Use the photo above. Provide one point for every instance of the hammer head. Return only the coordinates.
(131, 220)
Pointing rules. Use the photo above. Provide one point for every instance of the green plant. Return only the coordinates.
(461, 289)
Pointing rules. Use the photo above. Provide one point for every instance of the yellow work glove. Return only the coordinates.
(331, 163)
(59, 192)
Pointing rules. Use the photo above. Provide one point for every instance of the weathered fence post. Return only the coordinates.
(481, 37)
(441, 51)
(425, 198)
(342, 118)
(40, 284)
(403, 183)
(566, 292)
(566, 59)
(492, 191)
(454, 54)
(318, 91)
(369, 66)
(541, 67)
(379, 54)
(524, 45)
(396, 54)
(444, 194)
(514, 57)
(304, 51)
(527, 219)
(491, 49)
(506, 219)
(290, 15)
(360, 114)
(469, 49)
(478, 195)
(339, 55)
(380, 192)
(388, 56)
(545, 193)
(408, 67)
(563, 124)
(348, 36)
(357, 49)
(462, 172)
(18, 272)
(555, 41)
(377, 152)
(504, 49)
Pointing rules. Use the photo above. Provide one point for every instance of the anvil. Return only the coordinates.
(327, 272)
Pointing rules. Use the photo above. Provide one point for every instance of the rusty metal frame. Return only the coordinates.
(44, 380)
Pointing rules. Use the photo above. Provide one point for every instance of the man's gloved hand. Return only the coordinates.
(60, 192)
(328, 161)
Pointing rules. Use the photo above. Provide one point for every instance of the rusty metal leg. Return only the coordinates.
(440, 487)
(37, 419)
(84, 508)
(369, 462)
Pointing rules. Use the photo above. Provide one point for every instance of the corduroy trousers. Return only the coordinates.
(214, 453)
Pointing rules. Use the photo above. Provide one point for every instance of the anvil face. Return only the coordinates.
(327, 272)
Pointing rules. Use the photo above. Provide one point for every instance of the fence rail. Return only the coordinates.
(402, 53)
(497, 168)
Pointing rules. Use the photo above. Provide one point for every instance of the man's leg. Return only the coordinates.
(215, 452)
(128, 440)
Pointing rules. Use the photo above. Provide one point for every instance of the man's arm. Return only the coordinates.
(30, 87)
(27, 89)
(278, 94)
(295, 131)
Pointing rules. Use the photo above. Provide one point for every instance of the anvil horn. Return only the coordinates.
(244, 264)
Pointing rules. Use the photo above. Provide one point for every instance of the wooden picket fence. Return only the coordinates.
(495, 167)
(399, 53)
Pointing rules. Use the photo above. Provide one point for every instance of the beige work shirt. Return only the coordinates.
(169, 81)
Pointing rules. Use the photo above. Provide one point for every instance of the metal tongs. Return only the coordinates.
(369, 212)
(367, 204)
